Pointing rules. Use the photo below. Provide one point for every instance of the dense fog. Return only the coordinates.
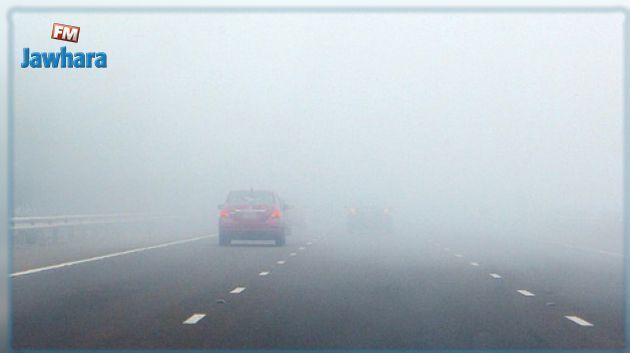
(463, 124)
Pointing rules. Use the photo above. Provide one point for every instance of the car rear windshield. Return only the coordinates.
(250, 198)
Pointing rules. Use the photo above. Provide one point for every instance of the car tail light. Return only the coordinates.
(224, 214)
(276, 213)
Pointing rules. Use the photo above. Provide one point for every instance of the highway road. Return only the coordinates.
(326, 290)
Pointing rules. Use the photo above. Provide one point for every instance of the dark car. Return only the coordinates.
(369, 219)
(253, 215)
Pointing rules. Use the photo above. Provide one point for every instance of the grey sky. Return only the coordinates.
(453, 120)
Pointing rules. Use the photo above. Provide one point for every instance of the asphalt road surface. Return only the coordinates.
(326, 290)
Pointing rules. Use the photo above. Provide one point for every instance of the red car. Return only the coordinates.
(252, 215)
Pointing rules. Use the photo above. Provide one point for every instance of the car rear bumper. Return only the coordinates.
(269, 232)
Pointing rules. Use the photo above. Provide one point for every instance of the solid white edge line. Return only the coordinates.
(237, 290)
(584, 248)
(579, 320)
(96, 258)
(526, 293)
(194, 319)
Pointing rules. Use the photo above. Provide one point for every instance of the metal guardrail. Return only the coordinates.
(38, 222)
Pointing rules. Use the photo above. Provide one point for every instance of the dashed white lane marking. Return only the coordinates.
(579, 321)
(264, 273)
(447, 249)
(301, 248)
(237, 290)
(494, 275)
(292, 254)
(97, 258)
(526, 293)
(194, 319)
(474, 264)
(281, 262)
(458, 255)
(309, 243)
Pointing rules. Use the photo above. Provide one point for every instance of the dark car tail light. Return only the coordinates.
(276, 213)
